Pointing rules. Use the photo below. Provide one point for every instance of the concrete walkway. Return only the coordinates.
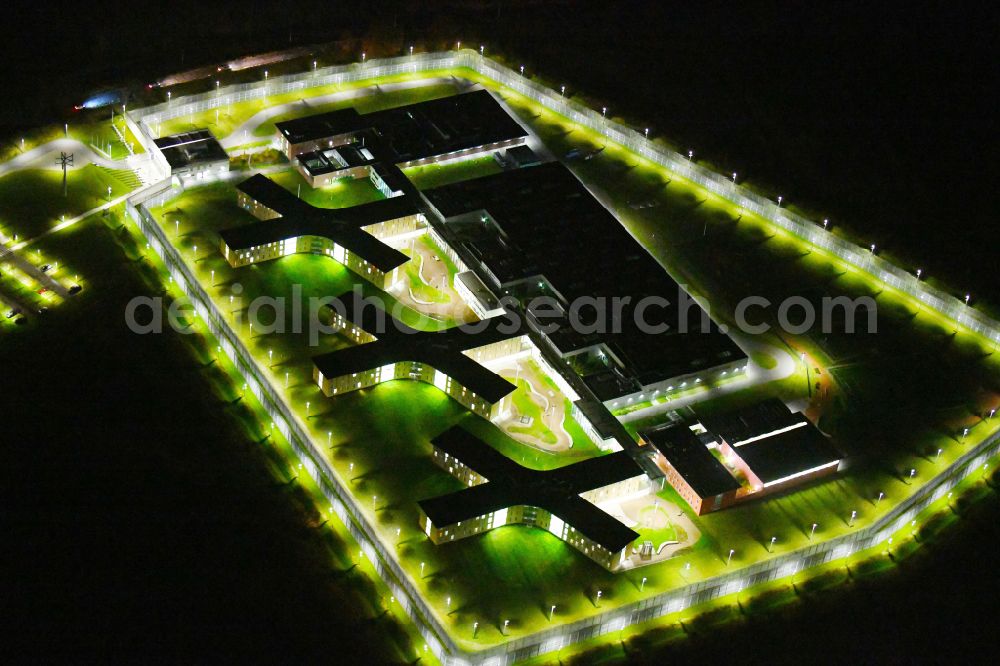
(45, 155)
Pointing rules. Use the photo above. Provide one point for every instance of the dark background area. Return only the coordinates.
(880, 118)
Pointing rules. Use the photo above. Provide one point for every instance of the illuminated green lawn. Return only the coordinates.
(437, 175)
(342, 193)
(31, 201)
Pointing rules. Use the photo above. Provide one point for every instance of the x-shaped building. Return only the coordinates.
(352, 236)
(450, 359)
(501, 492)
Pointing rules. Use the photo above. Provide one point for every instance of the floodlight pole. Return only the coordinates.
(65, 161)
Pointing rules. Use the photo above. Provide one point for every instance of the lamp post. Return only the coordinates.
(854, 514)
(109, 193)
(647, 133)
(770, 548)
(779, 201)
(552, 611)
(690, 155)
(329, 433)
(482, 50)
(363, 56)
(475, 629)
(506, 623)
(642, 584)
(422, 564)
(599, 594)
(730, 558)
(522, 70)
(967, 297)
(878, 500)
(265, 75)
(826, 223)
(734, 178)
(872, 248)
(802, 356)
(919, 272)
(307, 409)
(411, 49)
(812, 532)
(562, 91)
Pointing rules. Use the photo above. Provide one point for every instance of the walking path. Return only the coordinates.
(244, 132)
(45, 155)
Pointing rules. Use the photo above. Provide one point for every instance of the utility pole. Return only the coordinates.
(65, 161)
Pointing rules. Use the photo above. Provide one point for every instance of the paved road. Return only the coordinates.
(45, 155)
(244, 132)
(10, 256)
(12, 302)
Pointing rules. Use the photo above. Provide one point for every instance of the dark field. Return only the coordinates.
(141, 522)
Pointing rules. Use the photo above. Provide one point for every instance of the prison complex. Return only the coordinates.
(601, 317)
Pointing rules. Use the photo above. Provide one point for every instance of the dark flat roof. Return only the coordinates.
(522, 156)
(321, 125)
(442, 350)
(545, 224)
(416, 131)
(604, 422)
(194, 147)
(792, 452)
(340, 225)
(691, 458)
(738, 425)
(556, 491)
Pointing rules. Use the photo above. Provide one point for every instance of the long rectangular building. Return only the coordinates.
(420, 133)
(537, 232)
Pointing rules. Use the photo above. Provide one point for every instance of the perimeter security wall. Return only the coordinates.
(342, 502)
